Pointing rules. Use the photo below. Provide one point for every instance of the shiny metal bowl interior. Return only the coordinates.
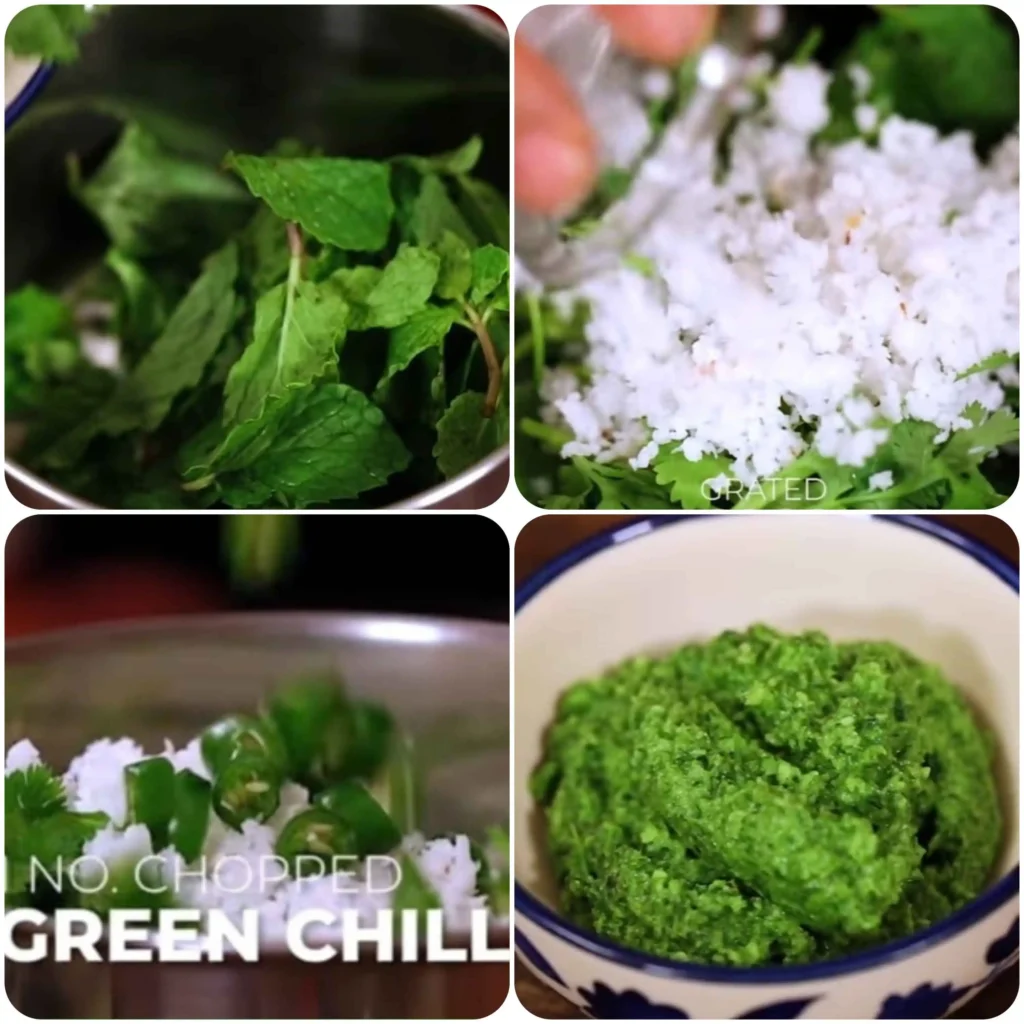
(304, 70)
(446, 680)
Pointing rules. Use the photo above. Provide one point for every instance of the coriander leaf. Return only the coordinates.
(996, 361)
(490, 267)
(456, 272)
(911, 446)
(46, 842)
(317, 444)
(485, 210)
(402, 289)
(422, 331)
(969, 489)
(36, 792)
(621, 487)
(457, 161)
(340, 202)
(151, 202)
(38, 828)
(792, 486)
(296, 334)
(50, 31)
(464, 434)
(966, 448)
(413, 892)
(434, 213)
(643, 265)
(951, 66)
(173, 364)
(686, 478)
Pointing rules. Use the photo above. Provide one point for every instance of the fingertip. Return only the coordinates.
(553, 173)
(662, 33)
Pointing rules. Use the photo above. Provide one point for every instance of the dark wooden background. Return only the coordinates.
(547, 536)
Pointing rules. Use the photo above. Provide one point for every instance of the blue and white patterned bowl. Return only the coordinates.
(654, 584)
(24, 80)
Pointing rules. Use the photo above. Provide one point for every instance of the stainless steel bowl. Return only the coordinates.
(298, 73)
(446, 680)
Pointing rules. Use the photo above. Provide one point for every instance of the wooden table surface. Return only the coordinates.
(547, 536)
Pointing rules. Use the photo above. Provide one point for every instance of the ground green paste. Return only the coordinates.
(767, 798)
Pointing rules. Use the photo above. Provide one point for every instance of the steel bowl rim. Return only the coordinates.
(345, 625)
(490, 28)
(993, 897)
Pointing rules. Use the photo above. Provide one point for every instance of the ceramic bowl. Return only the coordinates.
(656, 583)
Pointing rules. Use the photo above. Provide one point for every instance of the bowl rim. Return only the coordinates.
(492, 29)
(990, 900)
(235, 626)
(27, 93)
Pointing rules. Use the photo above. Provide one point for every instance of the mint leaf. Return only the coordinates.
(456, 161)
(31, 313)
(151, 202)
(402, 289)
(485, 210)
(464, 434)
(141, 308)
(41, 347)
(50, 31)
(318, 444)
(490, 268)
(685, 478)
(456, 272)
(263, 251)
(296, 334)
(354, 285)
(434, 213)
(340, 202)
(173, 364)
(422, 331)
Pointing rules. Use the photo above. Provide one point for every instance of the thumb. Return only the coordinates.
(555, 150)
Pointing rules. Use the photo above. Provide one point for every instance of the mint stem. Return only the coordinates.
(490, 358)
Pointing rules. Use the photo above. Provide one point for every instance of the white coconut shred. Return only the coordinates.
(809, 296)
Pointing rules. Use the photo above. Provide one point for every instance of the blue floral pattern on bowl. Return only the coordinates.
(536, 958)
(926, 1002)
(1004, 950)
(601, 1002)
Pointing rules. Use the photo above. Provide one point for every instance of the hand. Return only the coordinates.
(556, 153)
